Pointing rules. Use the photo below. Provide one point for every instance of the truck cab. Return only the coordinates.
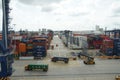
(89, 60)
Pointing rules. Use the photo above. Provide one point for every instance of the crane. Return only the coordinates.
(6, 58)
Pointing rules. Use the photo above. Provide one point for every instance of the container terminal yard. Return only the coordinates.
(56, 55)
(105, 69)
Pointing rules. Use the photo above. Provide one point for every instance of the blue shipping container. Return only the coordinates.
(109, 52)
(117, 47)
(42, 53)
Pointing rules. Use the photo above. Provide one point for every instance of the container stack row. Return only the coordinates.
(34, 45)
(108, 45)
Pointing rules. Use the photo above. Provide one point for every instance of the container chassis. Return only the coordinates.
(54, 59)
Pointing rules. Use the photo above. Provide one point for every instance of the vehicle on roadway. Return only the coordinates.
(88, 59)
(54, 59)
(32, 67)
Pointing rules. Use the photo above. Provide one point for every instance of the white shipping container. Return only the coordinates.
(26, 58)
(17, 37)
(79, 42)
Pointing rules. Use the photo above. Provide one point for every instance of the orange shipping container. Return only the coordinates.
(22, 47)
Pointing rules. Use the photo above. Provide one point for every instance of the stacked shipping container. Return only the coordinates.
(22, 49)
(40, 47)
(33, 45)
(90, 42)
(107, 47)
(117, 47)
(29, 48)
(39, 51)
(97, 42)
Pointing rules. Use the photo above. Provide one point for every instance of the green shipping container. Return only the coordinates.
(43, 67)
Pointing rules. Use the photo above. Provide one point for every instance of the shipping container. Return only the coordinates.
(29, 46)
(108, 42)
(22, 47)
(90, 42)
(78, 42)
(26, 58)
(117, 47)
(97, 41)
(39, 51)
(29, 53)
(109, 52)
(40, 42)
(107, 47)
(39, 47)
(40, 54)
(97, 44)
(31, 67)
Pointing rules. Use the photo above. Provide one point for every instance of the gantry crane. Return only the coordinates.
(6, 58)
(115, 33)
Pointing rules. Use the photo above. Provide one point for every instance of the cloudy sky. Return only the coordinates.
(64, 14)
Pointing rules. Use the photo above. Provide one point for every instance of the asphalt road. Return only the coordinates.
(104, 69)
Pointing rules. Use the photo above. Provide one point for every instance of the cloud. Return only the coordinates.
(116, 24)
(79, 14)
(115, 7)
(62, 13)
(47, 8)
(117, 10)
(115, 15)
(46, 5)
(39, 2)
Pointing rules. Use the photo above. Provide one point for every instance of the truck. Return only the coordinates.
(54, 59)
(88, 59)
(32, 67)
